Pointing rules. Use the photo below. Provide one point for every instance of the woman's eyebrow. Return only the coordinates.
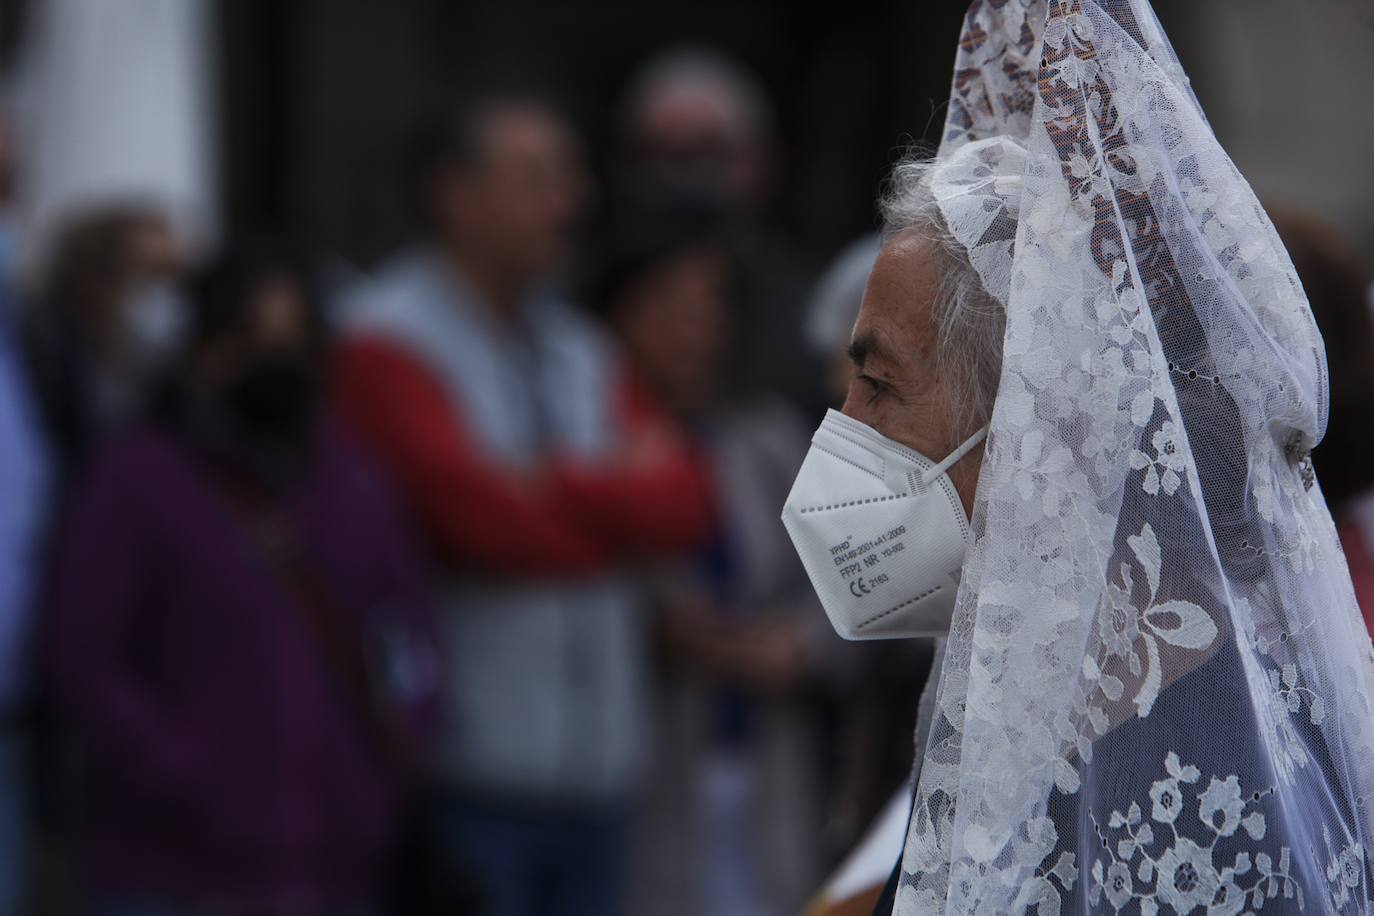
(862, 347)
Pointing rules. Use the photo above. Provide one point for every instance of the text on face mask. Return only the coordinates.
(842, 553)
(856, 564)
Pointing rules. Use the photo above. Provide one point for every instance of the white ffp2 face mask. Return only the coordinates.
(880, 530)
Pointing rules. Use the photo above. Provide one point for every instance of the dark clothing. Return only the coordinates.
(222, 757)
(566, 863)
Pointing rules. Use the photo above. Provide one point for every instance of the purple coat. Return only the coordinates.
(221, 756)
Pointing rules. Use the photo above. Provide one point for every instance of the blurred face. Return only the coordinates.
(152, 316)
(118, 286)
(515, 211)
(153, 249)
(276, 328)
(279, 321)
(265, 375)
(694, 141)
(896, 388)
(674, 322)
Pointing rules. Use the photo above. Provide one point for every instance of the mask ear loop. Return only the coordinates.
(969, 444)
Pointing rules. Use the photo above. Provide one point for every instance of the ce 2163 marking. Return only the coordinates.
(860, 587)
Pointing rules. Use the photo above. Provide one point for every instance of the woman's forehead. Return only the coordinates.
(896, 310)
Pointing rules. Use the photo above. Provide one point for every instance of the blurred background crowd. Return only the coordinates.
(397, 402)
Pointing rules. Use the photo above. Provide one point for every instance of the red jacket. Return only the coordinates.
(568, 519)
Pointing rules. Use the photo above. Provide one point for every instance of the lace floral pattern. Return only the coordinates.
(1345, 874)
(1151, 571)
(1151, 863)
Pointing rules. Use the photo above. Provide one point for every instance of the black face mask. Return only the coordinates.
(273, 397)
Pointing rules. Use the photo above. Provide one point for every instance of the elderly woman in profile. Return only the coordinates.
(1087, 384)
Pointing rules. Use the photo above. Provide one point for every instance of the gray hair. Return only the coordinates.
(969, 320)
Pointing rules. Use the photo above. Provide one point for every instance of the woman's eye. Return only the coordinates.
(874, 385)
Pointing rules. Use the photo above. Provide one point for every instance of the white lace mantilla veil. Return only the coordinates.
(1158, 693)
